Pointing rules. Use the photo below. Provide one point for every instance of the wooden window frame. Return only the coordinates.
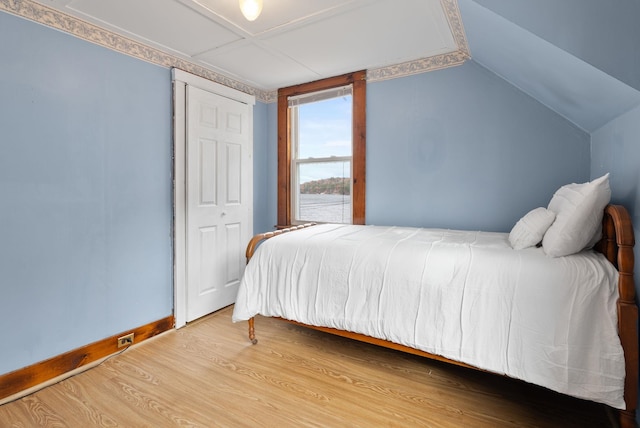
(359, 87)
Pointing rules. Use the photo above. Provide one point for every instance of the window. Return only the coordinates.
(321, 151)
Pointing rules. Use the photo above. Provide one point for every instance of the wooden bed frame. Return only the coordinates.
(617, 246)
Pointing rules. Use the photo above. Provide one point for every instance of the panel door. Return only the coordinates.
(218, 227)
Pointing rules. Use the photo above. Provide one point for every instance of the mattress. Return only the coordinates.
(464, 295)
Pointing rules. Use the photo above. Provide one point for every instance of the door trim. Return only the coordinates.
(180, 80)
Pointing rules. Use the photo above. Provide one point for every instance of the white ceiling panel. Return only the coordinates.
(375, 35)
(165, 23)
(276, 13)
(269, 70)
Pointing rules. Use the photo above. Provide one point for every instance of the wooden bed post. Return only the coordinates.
(252, 331)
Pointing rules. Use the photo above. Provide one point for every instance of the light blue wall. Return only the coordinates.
(456, 148)
(461, 148)
(85, 189)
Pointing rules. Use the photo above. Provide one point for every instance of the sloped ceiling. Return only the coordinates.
(604, 34)
(578, 90)
(581, 58)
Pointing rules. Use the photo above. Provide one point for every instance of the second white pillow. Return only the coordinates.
(530, 229)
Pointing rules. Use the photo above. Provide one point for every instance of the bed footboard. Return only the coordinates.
(256, 240)
(251, 248)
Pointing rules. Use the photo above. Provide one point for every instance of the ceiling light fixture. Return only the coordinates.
(251, 9)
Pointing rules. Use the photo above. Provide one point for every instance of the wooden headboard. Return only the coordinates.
(617, 246)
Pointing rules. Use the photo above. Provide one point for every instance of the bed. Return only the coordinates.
(484, 313)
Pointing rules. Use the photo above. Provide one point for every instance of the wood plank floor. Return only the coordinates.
(208, 375)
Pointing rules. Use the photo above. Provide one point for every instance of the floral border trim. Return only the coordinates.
(31, 10)
(416, 67)
(452, 12)
(53, 18)
(437, 62)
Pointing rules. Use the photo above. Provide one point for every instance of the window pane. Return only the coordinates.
(350, 100)
(325, 128)
(324, 194)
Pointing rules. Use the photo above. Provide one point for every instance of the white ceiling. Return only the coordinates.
(291, 42)
(298, 41)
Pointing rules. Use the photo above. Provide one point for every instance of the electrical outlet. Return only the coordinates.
(126, 340)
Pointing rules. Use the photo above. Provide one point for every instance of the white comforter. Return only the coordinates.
(464, 295)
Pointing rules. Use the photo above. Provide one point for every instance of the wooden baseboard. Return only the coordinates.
(30, 376)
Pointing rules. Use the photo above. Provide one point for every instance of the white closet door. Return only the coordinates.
(218, 206)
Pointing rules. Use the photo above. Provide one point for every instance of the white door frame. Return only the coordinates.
(180, 81)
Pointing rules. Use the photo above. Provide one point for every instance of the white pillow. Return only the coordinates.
(579, 210)
(530, 229)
